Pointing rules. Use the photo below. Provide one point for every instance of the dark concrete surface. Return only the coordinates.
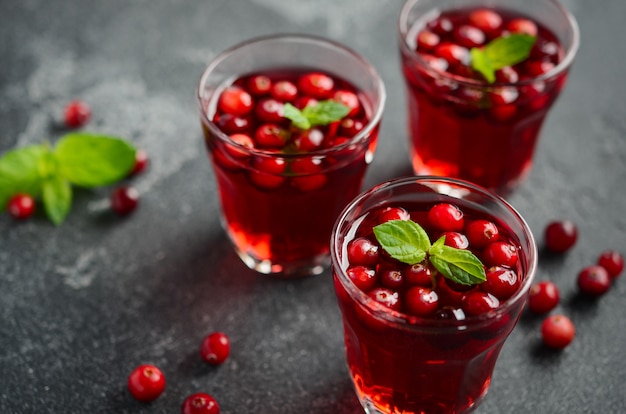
(81, 305)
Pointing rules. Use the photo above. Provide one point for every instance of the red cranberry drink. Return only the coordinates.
(480, 82)
(431, 276)
(291, 124)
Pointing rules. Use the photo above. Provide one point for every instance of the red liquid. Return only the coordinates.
(422, 365)
(484, 133)
(283, 216)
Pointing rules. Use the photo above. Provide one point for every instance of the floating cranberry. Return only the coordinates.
(486, 20)
(436, 63)
(446, 217)
(232, 124)
(146, 383)
(77, 113)
(200, 403)
(507, 75)
(427, 41)
(269, 110)
(469, 36)
(21, 206)
(560, 236)
(302, 102)
(271, 136)
(317, 85)
(594, 280)
(455, 239)
(124, 200)
(215, 348)
(309, 172)
(442, 26)
(308, 140)
(391, 278)
(235, 100)
(557, 331)
(538, 68)
(481, 233)
(268, 172)
(141, 162)
(349, 127)
(242, 140)
(386, 297)
(453, 54)
(501, 282)
(363, 277)
(522, 26)
(543, 297)
(259, 85)
(349, 99)
(613, 262)
(284, 91)
(361, 251)
(393, 213)
(500, 254)
(420, 301)
(477, 302)
(419, 275)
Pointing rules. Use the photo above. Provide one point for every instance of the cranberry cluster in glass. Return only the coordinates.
(419, 289)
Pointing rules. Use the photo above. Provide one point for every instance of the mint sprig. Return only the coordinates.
(81, 159)
(501, 52)
(322, 113)
(408, 242)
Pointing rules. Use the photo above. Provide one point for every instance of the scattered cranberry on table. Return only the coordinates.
(613, 262)
(141, 162)
(560, 236)
(21, 206)
(76, 114)
(124, 200)
(200, 403)
(594, 281)
(557, 331)
(543, 297)
(146, 383)
(215, 348)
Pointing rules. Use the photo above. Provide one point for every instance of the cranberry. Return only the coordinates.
(451, 293)
(242, 140)
(557, 331)
(350, 127)
(420, 301)
(309, 173)
(200, 403)
(269, 110)
(418, 274)
(232, 124)
(146, 383)
(393, 213)
(436, 63)
(386, 297)
(446, 217)
(477, 302)
(537, 68)
(141, 162)
(235, 100)
(259, 85)
(481, 233)
(271, 136)
(302, 102)
(594, 280)
(546, 50)
(308, 140)
(442, 26)
(507, 75)
(21, 206)
(427, 40)
(77, 114)
(317, 85)
(124, 200)
(349, 99)
(522, 26)
(613, 262)
(361, 251)
(501, 282)
(560, 236)
(284, 91)
(543, 297)
(363, 277)
(486, 20)
(268, 172)
(453, 54)
(500, 254)
(215, 348)
(391, 278)
(456, 240)
(469, 36)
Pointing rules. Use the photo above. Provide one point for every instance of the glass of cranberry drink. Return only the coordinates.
(291, 124)
(481, 78)
(431, 275)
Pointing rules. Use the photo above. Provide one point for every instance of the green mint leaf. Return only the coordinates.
(503, 51)
(91, 160)
(296, 116)
(404, 240)
(460, 266)
(19, 172)
(325, 112)
(57, 198)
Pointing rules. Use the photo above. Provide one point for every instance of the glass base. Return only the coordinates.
(290, 270)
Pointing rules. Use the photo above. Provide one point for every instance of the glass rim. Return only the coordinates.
(372, 123)
(401, 320)
(562, 66)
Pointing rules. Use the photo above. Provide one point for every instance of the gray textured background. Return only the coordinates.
(81, 305)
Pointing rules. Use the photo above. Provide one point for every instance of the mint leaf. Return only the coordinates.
(296, 116)
(91, 160)
(19, 172)
(325, 112)
(460, 266)
(404, 240)
(57, 198)
(503, 51)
